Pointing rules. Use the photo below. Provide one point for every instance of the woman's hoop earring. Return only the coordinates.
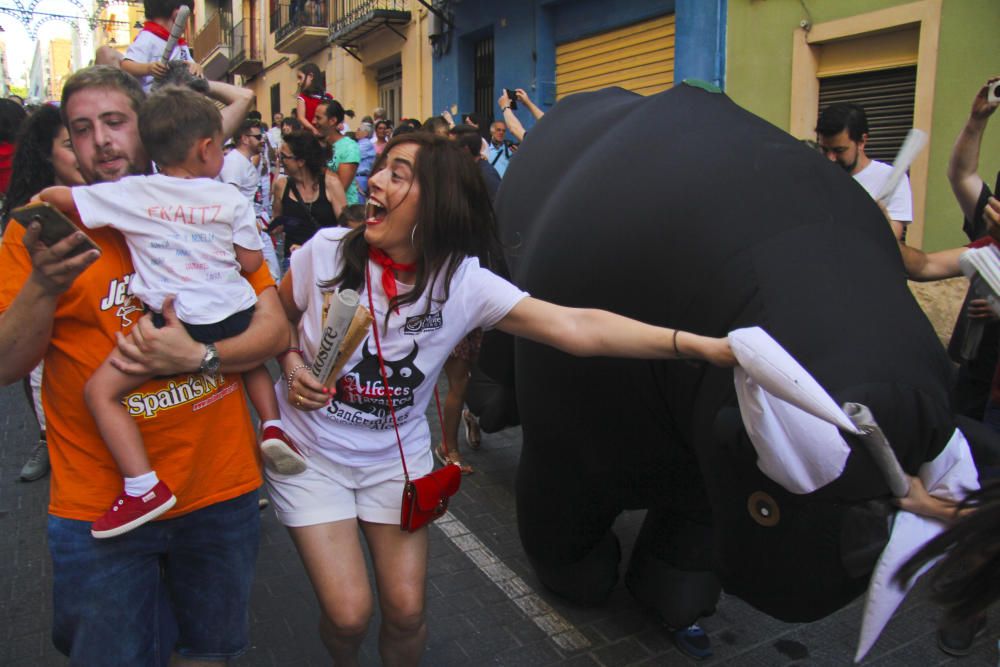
(413, 233)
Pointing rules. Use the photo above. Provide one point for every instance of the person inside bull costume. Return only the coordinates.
(774, 482)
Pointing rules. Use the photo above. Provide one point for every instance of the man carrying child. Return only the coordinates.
(110, 595)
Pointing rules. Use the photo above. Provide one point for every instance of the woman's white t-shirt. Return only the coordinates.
(180, 233)
(356, 428)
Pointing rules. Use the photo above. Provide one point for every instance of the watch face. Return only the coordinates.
(210, 362)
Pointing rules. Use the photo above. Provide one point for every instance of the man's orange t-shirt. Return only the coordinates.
(197, 430)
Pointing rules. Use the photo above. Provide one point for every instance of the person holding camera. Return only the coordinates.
(500, 149)
(508, 105)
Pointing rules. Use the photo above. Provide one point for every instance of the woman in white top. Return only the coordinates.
(428, 223)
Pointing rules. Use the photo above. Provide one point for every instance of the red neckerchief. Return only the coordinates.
(388, 267)
(160, 32)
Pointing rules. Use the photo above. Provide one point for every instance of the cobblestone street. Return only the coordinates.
(472, 620)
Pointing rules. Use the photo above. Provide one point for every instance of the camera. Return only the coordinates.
(993, 92)
(512, 96)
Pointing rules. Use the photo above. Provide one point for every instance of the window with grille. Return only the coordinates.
(276, 99)
(887, 97)
(483, 81)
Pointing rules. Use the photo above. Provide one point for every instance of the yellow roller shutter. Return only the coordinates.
(639, 57)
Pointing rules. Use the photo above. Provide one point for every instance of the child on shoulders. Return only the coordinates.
(144, 54)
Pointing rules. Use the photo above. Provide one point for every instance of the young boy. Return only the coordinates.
(189, 237)
(143, 57)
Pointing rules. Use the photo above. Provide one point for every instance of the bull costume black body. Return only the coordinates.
(684, 210)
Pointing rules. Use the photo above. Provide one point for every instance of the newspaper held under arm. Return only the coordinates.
(175, 32)
(343, 306)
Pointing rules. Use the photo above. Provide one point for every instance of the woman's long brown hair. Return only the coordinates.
(455, 220)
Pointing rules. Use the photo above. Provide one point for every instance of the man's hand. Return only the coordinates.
(52, 269)
(156, 69)
(195, 69)
(522, 96)
(503, 102)
(991, 217)
(168, 350)
(981, 107)
(448, 118)
(980, 309)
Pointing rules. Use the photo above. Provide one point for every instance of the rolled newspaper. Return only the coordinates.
(877, 445)
(343, 306)
(175, 32)
(355, 334)
(912, 145)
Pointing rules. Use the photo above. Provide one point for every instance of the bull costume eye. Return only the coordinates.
(763, 509)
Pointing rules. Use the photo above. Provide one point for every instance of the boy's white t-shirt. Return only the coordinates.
(356, 428)
(147, 48)
(181, 233)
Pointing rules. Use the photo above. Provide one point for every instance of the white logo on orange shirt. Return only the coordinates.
(119, 295)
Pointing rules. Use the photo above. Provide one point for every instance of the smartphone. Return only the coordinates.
(55, 225)
(512, 96)
(993, 92)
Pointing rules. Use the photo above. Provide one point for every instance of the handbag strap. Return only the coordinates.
(385, 380)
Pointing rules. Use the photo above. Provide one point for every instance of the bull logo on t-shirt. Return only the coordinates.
(362, 387)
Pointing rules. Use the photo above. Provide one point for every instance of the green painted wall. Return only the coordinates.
(759, 71)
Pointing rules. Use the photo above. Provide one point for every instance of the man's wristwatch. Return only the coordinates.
(210, 362)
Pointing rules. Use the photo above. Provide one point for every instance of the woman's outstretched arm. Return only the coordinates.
(587, 332)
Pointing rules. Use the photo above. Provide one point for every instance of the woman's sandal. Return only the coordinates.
(446, 460)
(472, 433)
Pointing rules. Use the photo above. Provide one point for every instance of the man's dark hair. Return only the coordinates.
(245, 127)
(352, 213)
(102, 76)
(172, 120)
(334, 110)
(435, 124)
(840, 116)
(254, 115)
(162, 9)
(468, 138)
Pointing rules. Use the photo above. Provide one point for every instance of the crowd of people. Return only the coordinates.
(217, 244)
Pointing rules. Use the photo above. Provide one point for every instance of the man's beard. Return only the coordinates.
(849, 168)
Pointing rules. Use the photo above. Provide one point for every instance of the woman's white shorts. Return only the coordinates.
(329, 491)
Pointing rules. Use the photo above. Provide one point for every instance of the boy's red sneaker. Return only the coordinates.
(279, 454)
(130, 512)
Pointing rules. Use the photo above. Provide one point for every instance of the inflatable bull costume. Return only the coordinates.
(684, 210)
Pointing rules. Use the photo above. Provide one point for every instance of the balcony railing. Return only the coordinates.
(297, 21)
(353, 20)
(213, 42)
(247, 58)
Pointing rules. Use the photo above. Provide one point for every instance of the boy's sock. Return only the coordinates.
(276, 423)
(141, 485)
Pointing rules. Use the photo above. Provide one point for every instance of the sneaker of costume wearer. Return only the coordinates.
(37, 465)
(693, 642)
(957, 638)
(130, 512)
(279, 454)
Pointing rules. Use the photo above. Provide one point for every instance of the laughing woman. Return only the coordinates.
(419, 251)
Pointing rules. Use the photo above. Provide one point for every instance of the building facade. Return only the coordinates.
(373, 52)
(553, 48)
(910, 63)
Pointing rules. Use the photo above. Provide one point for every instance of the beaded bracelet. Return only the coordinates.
(291, 376)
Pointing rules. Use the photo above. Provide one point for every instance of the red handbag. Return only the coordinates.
(424, 499)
